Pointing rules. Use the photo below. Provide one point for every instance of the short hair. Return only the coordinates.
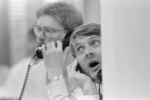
(66, 14)
(84, 30)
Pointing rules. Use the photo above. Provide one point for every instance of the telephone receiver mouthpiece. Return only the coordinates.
(38, 52)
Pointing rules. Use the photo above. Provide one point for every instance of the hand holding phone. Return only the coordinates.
(78, 79)
(38, 51)
(54, 57)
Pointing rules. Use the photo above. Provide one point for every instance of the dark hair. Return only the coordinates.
(84, 30)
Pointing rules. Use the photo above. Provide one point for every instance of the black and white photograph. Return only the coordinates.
(74, 49)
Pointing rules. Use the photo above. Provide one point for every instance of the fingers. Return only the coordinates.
(54, 46)
(59, 45)
(43, 47)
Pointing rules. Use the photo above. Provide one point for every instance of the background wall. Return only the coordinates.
(126, 49)
(92, 11)
(4, 33)
(125, 43)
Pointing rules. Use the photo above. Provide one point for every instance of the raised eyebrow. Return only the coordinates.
(95, 37)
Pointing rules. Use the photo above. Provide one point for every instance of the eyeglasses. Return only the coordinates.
(47, 31)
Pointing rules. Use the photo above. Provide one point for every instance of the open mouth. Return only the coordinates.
(93, 64)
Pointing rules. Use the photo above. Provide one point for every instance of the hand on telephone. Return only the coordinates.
(54, 57)
(77, 79)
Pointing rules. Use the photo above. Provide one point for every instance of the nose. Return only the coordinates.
(90, 53)
(40, 38)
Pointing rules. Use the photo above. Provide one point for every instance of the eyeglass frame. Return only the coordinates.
(38, 30)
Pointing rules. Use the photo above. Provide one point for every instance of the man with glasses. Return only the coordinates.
(54, 26)
(49, 32)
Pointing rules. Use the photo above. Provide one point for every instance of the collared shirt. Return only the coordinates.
(57, 90)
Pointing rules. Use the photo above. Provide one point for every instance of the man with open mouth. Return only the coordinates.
(85, 45)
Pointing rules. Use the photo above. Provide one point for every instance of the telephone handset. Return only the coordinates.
(39, 54)
(65, 43)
